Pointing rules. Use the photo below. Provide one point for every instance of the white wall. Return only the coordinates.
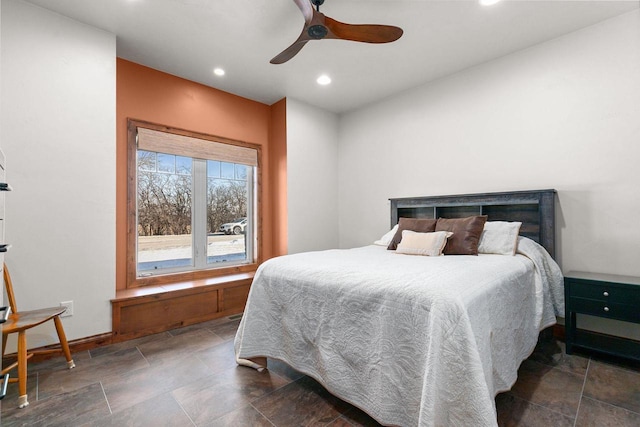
(564, 114)
(58, 131)
(312, 178)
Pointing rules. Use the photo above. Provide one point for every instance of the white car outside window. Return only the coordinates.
(234, 227)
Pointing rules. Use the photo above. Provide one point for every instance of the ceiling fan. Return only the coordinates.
(317, 26)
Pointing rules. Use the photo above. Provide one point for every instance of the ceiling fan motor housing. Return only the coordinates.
(317, 32)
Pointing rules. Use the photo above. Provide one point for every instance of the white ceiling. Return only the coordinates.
(189, 38)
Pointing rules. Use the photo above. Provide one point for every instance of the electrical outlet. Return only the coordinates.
(69, 305)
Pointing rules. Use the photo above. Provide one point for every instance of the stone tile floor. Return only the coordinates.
(188, 377)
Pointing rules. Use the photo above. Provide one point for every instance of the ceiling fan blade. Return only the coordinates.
(306, 9)
(367, 33)
(289, 52)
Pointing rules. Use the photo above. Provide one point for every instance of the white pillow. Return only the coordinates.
(428, 244)
(386, 239)
(499, 237)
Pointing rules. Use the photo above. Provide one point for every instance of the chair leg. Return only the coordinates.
(22, 369)
(63, 342)
(4, 343)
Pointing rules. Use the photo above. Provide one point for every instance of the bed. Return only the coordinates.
(412, 340)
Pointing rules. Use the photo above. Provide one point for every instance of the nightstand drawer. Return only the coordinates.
(610, 292)
(626, 312)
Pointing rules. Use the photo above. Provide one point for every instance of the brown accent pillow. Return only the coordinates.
(419, 225)
(466, 234)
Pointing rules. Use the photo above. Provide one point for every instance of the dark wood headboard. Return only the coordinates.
(535, 209)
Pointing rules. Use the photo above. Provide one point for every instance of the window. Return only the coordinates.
(192, 203)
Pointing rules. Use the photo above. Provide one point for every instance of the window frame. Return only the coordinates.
(133, 280)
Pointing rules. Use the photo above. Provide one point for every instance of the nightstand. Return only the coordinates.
(601, 295)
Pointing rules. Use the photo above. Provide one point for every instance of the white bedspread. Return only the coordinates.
(412, 340)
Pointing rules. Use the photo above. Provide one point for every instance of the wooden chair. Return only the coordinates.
(20, 322)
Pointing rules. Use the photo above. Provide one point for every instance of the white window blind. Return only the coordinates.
(171, 143)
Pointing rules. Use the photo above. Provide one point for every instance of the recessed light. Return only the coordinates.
(324, 80)
(218, 72)
(488, 2)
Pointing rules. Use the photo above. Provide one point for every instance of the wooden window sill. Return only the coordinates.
(143, 291)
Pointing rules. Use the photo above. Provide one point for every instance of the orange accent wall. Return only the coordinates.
(146, 94)
(278, 167)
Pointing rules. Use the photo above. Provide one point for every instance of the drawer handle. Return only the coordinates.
(605, 293)
(606, 309)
